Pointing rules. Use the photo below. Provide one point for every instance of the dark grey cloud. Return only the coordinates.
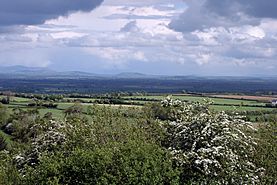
(256, 8)
(31, 12)
(203, 14)
(12, 29)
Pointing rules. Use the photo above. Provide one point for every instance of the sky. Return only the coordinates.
(165, 37)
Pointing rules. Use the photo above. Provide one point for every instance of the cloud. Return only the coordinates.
(202, 14)
(136, 41)
(32, 12)
(255, 8)
(38, 58)
(130, 27)
(145, 12)
(139, 3)
(211, 37)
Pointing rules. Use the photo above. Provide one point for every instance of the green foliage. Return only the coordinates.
(5, 100)
(110, 150)
(25, 125)
(131, 163)
(49, 105)
(9, 175)
(73, 111)
(4, 115)
(156, 110)
(266, 153)
(210, 147)
(3, 143)
(170, 143)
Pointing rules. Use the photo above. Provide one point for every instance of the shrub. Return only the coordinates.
(266, 153)
(4, 115)
(5, 100)
(8, 172)
(111, 150)
(24, 125)
(130, 163)
(3, 143)
(210, 147)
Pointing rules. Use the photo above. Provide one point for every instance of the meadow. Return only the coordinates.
(254, 108)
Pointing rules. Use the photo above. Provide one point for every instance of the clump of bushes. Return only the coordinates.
(173, 142)
(49, 105)
(266, 151)
(5, 101)
(210, 147)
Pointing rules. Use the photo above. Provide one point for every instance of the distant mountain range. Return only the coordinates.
(40, 72)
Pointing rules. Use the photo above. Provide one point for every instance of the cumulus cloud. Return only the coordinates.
(31, 12)
(255, 8)
(130, 27)
(202, 14)
(211, 37)
(145, 12)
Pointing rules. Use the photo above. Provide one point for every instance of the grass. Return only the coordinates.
(221, 104)
(19, 99)
(201, 99)
(238, 108)
(55, 113)
(64, 106)
(190, 98)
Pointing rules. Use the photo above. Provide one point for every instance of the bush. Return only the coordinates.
(25, 125)
(111, 150)
(4, 115)
(188, 145)
(266, 153)
(210, 147)
(5, 100)
(3, 143)
(43, 104)
(75, 110)
(130, 163)
(8, 172)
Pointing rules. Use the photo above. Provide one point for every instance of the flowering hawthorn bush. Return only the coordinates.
(210, 147)
(49, 140)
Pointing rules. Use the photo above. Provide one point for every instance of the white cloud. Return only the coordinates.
(116, 55)
(122, 34)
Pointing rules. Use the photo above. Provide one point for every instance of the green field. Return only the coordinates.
(219, 104)
(200, 99)
(238, 108)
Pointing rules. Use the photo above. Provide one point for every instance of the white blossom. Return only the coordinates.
(211, 143)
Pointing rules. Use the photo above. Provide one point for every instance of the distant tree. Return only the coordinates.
(75, 110)
(5, 100)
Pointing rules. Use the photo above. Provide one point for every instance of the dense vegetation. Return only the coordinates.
(172, 142)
